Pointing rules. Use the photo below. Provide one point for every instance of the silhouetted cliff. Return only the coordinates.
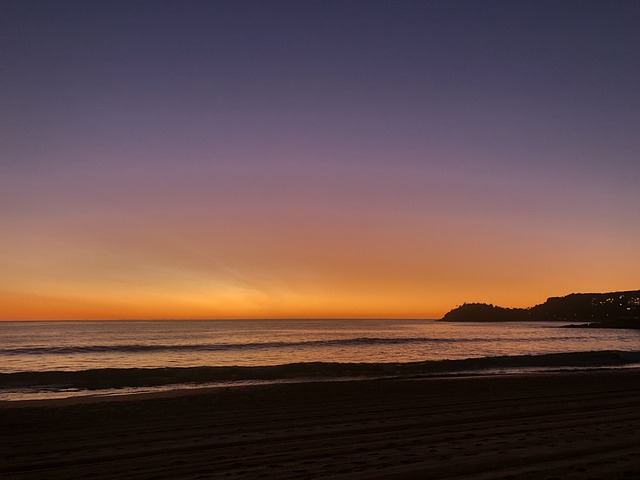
(612, 310)
(482, 312)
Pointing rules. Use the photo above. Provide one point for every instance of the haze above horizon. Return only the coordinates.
(332, 159)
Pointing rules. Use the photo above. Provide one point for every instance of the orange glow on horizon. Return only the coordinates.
(189, 257)
(380, 266)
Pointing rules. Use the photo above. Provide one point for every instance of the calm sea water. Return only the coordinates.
(79, 346)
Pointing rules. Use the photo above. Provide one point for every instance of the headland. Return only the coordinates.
(600, 310)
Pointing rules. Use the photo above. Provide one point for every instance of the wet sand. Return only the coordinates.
(543, 426)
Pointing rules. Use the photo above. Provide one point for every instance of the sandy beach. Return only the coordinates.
(582, 425)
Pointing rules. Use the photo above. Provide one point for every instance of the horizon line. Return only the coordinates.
(212, 319)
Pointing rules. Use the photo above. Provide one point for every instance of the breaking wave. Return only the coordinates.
(106, 378)
(219, 347)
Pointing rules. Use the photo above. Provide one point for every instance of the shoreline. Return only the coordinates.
(187, 389)
(571, 425)
(116, 381)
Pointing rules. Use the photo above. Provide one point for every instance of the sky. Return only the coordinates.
(290, 159)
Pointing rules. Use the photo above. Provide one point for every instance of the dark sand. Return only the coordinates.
(560, 426)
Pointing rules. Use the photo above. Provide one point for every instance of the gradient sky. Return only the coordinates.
(254, 159)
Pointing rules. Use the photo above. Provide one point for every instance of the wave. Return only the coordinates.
(216, 347)
(152, 377)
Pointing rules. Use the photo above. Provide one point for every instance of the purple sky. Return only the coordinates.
(336, 158)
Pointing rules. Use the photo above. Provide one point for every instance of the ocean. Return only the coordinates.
(63, 359)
